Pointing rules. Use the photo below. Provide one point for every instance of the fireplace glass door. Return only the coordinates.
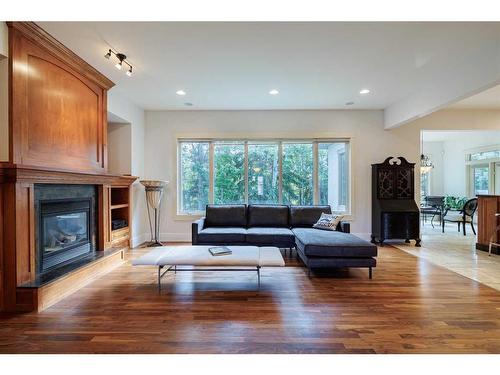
(65, 233)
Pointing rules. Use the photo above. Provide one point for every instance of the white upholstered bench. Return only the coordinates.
(251, 257)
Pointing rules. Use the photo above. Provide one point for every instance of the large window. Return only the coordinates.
(298, 173)
(194, 174)
(293, 172)
(263, 173)
(481, 179)
(229, 173)
(482, 166)
(333, 174)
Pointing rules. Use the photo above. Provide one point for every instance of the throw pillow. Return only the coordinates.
(328, 221)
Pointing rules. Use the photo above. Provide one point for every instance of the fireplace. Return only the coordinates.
(65, 225)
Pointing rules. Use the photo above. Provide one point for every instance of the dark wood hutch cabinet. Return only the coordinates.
(395, 215)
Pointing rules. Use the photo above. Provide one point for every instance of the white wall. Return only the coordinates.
(449, 176)
(4, 39)
(370, 144)
(119, 148)
(435, 151)
(134, 115)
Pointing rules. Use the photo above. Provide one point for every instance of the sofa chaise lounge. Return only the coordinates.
(285, 227)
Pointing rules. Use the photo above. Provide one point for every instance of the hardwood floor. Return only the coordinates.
(457, 253)
(411, 306)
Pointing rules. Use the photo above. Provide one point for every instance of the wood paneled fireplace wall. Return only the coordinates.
(57, 135)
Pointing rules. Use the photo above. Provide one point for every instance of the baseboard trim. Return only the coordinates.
(139, 240)
(164, 237)
(175, 237)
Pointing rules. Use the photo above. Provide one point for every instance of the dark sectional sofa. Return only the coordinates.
(285, 227)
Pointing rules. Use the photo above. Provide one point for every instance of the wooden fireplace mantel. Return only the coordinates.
(10, 172)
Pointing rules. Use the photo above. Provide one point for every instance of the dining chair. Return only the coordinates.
(465, 215)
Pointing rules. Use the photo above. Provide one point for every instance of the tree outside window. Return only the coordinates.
(229, 173)
(266, 172)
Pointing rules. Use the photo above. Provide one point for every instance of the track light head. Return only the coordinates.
(121, 60)
(120, 57)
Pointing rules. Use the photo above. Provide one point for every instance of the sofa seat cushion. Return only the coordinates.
(322, 243)
(262, 215)
(261, 235)
(222, 235)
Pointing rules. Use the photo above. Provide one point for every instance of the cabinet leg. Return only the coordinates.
(407, 241)
(373, 239)
(417, 242)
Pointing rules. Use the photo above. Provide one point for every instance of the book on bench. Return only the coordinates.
(219, 251)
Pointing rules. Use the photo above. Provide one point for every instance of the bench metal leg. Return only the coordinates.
(258, 276)
(370, 272)
(159, 279)
(160, 275)
(174, 268)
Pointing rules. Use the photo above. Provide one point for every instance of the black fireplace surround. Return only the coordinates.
(64, 226)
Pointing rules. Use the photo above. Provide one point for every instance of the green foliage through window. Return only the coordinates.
(194, 175)
(298, 173)
(229, 172)
(263, 173)
(257, 172)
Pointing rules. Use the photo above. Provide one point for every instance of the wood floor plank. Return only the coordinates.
(411, 306)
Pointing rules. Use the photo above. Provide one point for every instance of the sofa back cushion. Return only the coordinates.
(306, 216)
(231, 215)
(260, 215)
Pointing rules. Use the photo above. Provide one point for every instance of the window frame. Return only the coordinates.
(182, 215)
(470, 165)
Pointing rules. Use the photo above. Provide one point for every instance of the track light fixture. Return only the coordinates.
(122, 59)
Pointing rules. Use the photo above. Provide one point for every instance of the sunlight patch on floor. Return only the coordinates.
(457, 253)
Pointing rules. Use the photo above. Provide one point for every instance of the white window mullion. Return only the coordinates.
(315, 173)
(245, 166)
(211, 173)
(179, 178)
(280, 172)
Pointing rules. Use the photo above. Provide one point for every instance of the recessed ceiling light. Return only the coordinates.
(364, 91)
(180, 92)
(349, 103)
(274, 92)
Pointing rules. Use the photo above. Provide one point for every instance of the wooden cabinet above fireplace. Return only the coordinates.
(58, 104)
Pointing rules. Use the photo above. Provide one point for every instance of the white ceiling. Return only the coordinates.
(485, 136)
(488, 99)
(313, 65)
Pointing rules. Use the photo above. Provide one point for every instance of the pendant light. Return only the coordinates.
(426, 164)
